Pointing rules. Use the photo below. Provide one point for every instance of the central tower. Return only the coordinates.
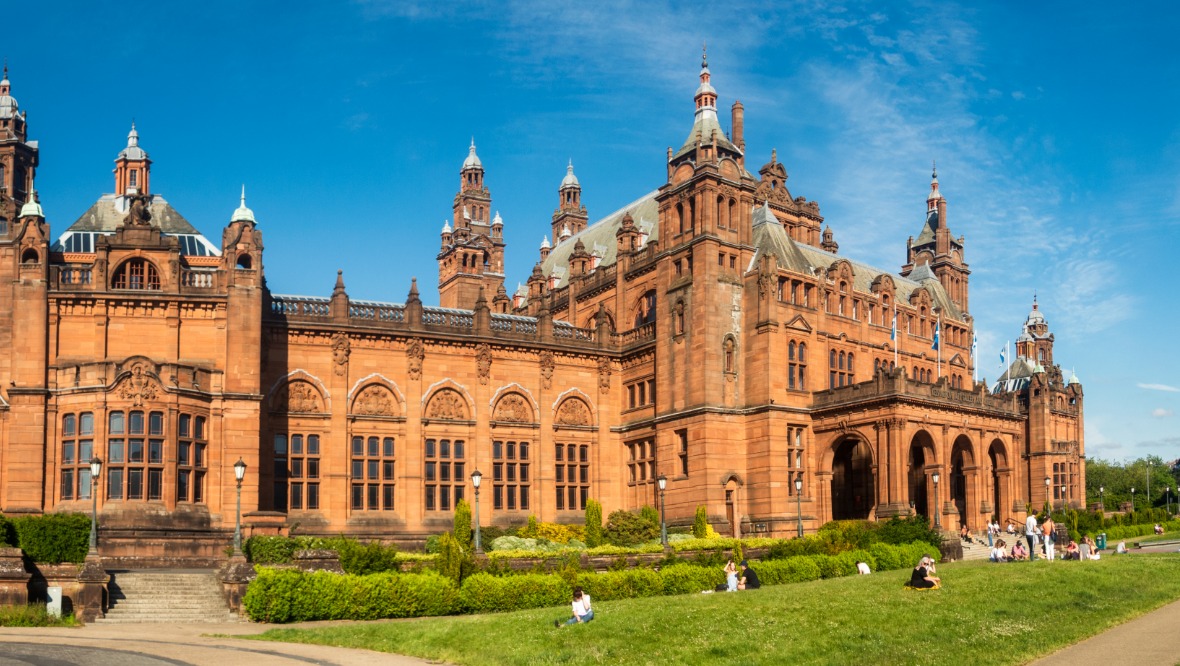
(471, 258)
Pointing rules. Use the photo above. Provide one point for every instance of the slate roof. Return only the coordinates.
(599, 238)
(106, 214)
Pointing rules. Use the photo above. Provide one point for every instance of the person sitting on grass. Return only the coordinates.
(1071, 551)
(998, 554)
(1121, 549)
(749, 579)
(923, 577)
(1018, 551)
(581, 609)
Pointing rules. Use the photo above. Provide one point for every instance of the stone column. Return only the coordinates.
(90, 600)
(14, 580)
(235, 578)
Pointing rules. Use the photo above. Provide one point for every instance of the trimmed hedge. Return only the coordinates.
(51, 538)
(482, 592)
(356, 557)
(626, 584)
(296, 596)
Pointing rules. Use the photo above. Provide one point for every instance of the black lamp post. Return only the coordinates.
(799, 503)
(937, 518)
(662, 481)
(1132, 499)
(476, 477)
(1149, 484)
(1168, 500)
(1102, 497)
(95, 475)
(1064, 502)
(239, 474)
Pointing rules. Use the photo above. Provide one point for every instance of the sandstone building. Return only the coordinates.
(708, 331)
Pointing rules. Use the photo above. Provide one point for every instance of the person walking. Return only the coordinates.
(1030, 533)
(1048, 532)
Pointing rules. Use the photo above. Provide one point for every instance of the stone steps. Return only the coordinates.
(166, 596)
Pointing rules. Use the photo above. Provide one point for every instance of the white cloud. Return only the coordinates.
(1159, 387)
(1161, 413)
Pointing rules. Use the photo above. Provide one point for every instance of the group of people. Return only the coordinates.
(1040, 537)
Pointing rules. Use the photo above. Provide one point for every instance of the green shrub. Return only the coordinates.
(274, 549)
(355, 557)
(454, 561)
(33, 615)
(650, 514)
(829, 566)
(900, 531)
(886, 555)
(483, 593)
(432, 543)
(365, 558)
(622, 584)
(297, 596)
(847, 534)
(700, 524)
(529, 531)
(53, 538)
(684, 578)
(625, 528)
(462, 525)
(594, 536)
(798, 569)
(795, 547)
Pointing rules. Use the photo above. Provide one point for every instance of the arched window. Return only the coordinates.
(729, 350)
(645, 311)
(850, 369)
(137, 274)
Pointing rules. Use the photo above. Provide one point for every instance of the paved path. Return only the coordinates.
(175, 644)
(1147, 640)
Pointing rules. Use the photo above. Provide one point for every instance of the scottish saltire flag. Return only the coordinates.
(1003, 355)
(893, 330)
(937, 326)
(974, 343)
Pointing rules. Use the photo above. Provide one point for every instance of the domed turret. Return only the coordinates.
(243, 214)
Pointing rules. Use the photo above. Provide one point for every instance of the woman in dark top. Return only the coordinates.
(921, 577)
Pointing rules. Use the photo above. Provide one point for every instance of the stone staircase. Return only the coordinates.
(166, 596)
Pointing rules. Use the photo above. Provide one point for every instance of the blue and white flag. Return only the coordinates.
(937, 326)
(1003, 354)
(893, 329)
(974, 343)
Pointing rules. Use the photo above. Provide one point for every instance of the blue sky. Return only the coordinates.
(1054, 126)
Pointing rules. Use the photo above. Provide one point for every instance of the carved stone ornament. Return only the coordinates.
(447, 404)
(414, 355)
(341, 348)
(604, 374)
(375, 400)
(547, 366)
(573, 412)
(483, 360)
(513, 407)
(138, 388)
(299, 397)
(139, 214)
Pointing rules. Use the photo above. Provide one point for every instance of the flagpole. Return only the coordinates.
(895, 334)
(938, 339)
(975, 355)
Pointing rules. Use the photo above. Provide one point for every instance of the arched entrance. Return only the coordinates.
(852, 480)
(999, 465)
(962, 460)
(921, 455)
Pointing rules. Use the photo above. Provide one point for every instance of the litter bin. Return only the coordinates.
(1101, 541)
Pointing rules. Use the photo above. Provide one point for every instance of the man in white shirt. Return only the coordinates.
(581, 609)
(1030, 533)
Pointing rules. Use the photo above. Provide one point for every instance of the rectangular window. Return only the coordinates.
(682, 439)
(573, 477)
(297, 470)
(641, 461)
(510, 475)
(444, 472)
(373, 473)
(190, 456)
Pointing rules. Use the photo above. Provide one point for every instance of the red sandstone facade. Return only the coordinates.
(708, 332)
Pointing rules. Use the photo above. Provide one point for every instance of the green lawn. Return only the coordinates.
(985, 614)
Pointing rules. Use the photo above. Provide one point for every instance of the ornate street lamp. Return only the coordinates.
(95, 475)
(937, 518)
(1064, 503)
(239, 474)
(1102, 497)
(1132, 499)
(662, 481)
(476, 477)
(799, 502)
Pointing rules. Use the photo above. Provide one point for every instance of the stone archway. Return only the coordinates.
(921, 456)
(962, 476)
(998, 456)
(853, 486)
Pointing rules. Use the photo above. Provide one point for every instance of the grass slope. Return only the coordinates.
(986, 613)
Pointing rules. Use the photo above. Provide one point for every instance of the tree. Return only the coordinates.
(462, 528)
(594, 536)
(700, 525)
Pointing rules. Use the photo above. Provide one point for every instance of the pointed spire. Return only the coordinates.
(570, 179)
(545, 242)
(413, 297)
(497, 220)
(32, 207)
(339, 288)
(446, 226)
(243, 214)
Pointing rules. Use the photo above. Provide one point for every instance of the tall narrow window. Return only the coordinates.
(372, 473)
(571, 475)
(297, 467)
(191, 458)
(682, 438)
(77, 448)
(510, 475)
(445, 473)
(135, 455)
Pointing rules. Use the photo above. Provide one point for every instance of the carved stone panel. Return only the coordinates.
(604, 372)
(547, 365)
(513, 407)
(447, 404)
(483, 360)
(139, 387)
(374, 400)
(414, 355)
(341, 348)
(299, 397)
(573, 411)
